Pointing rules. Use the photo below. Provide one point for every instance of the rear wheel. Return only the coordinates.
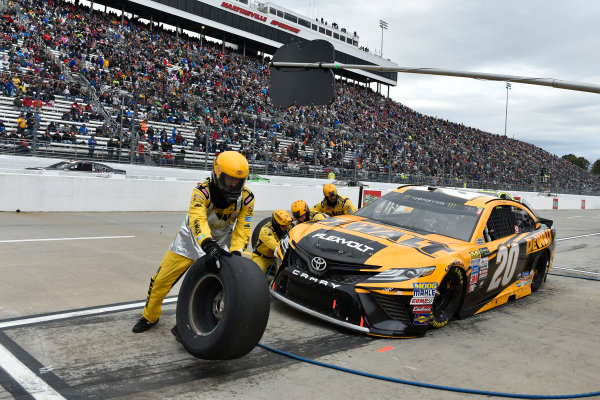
(540, 271)
(222, 312)
(447, 299)
(256, 231)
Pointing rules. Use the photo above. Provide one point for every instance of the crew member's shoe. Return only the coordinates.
(143, 325)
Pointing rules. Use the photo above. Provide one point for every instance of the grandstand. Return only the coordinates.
(170, 92)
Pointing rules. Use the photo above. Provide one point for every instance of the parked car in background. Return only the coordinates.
(81, 166)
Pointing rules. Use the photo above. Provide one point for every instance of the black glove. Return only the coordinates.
(213, 250)
(236, 253)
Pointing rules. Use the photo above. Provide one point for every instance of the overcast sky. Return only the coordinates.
(544, 39)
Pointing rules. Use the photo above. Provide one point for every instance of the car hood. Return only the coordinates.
(355, 240)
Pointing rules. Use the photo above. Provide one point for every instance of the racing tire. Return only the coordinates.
(222, 312)
(256, 232)
(540, 272)
(446, 303)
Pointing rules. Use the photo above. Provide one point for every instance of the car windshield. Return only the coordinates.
(425, 212)
(60, 165)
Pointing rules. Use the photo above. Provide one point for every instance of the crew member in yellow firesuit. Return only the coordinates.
(270, 235)
(217, 225)
(301, 213)
(333, 203)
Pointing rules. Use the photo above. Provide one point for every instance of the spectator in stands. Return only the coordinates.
(83, 130)
(91, 146)
(110, 147)
(21, 124)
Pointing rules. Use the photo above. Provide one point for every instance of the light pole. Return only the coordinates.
(383, 25)
(508, 86)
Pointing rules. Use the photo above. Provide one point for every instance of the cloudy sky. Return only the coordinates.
(544, 39)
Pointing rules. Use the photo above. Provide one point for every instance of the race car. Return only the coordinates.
(415, 258)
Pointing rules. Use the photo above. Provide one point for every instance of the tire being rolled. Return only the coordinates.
(256, 232)
(222, 312)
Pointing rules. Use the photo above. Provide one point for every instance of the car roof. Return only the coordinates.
(454, 195)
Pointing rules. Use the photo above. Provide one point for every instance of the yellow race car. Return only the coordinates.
(413, 259)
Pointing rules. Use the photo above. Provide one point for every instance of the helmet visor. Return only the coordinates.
(230, 185)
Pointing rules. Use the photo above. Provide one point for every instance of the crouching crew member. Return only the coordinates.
(301, 213)
(268, 239)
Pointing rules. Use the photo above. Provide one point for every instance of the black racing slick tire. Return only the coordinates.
(256, 232)
(222, 312)
(540, 271)
(448, 298)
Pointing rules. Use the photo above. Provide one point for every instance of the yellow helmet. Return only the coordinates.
(299, 208)
(230, 171)
(329, 189)
(281, 218)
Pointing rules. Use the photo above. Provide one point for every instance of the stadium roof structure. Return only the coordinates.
(259, 27)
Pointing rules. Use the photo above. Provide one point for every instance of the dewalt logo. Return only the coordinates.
(539, 242)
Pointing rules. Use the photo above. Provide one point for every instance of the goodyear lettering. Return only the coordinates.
(539, 241)
(310, 278)
(350, 243)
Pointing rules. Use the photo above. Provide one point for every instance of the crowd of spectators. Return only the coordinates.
(144, 74)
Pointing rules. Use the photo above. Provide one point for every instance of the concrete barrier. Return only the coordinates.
(58, 191)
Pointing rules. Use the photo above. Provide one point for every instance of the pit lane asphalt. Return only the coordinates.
(547, 343)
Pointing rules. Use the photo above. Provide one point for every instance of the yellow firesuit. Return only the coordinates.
(263, 254)
(343, 206)
(230, 227)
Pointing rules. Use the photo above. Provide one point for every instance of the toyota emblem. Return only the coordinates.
(318, 264)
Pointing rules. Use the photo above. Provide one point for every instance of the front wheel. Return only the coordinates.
(448, 298)
(222, 312)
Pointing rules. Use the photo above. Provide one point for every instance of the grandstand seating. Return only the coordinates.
(220, 96)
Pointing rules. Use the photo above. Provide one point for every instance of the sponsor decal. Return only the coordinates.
(313, 279)
(472, 287)
(484, 262)
(200, 237)
(246, 225)
(197, 229)
(204, 192)
(421, 319)
(475, 269)
(424, 289)
(539, 241)
(517, 230)
(350, 243)
(483, 271)
(370, 195)
(475, 262)
(421, 300)
(248, 219)
(475, 254)
(474, 278)
(484, 251)
(417, 309)
(479, 241)
(249, 199)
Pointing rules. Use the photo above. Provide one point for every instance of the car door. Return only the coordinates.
(502, 258)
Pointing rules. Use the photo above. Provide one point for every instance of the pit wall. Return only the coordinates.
(53, 191)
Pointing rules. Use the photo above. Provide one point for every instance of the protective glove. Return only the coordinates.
(213, 250)
(236, 253)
